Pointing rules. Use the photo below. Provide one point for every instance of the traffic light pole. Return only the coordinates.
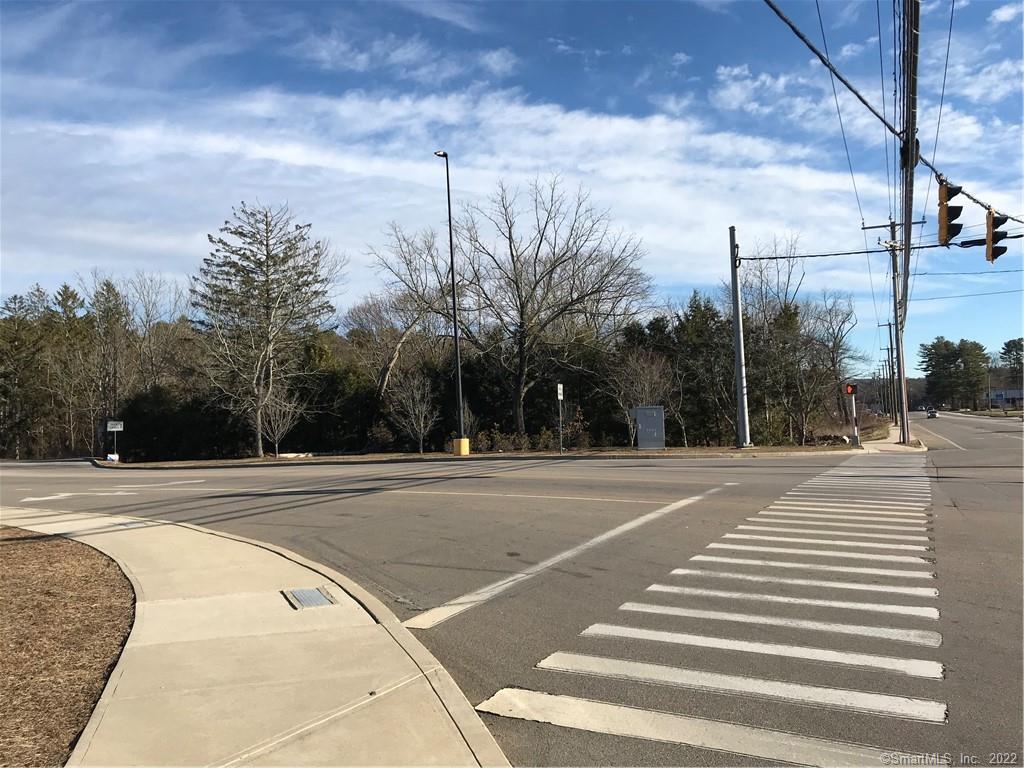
(742, 417)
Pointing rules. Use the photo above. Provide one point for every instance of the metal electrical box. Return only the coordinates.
(650, 427)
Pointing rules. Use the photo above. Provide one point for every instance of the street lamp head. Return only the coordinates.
(441, 153)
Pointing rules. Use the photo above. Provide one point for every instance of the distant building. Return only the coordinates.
(1006, 399)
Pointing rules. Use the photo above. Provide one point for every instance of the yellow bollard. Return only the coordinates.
(460, 446)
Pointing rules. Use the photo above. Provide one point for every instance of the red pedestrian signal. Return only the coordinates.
(851, 389)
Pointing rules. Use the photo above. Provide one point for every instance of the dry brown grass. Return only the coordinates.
(66, 612)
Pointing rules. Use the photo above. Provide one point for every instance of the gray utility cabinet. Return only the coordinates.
(650, 427)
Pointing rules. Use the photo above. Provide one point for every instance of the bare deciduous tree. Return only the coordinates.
(413, 404)
(636, 378)
(281, 413)
(538, 278)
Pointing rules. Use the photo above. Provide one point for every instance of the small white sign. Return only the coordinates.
(559, 391)
(115, 426)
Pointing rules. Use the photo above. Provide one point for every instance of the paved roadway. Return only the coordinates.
(624, 601)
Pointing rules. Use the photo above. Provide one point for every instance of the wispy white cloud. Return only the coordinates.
(679, 59)
(1005, 13)
(672, 103)
(499, 62)
(460, 14)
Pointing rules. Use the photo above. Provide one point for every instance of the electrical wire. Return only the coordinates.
(982, 272)
(849, 160)
(968, 295)
(881, 76)
(884, 120)
(938, 124)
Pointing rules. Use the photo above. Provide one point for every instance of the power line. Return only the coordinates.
(968, 295)
(964, 244)
(982, 272)
(824, 60)
(881, 76)
(938, 124)
(849, 160)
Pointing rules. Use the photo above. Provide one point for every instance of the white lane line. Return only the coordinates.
(832, 542)
(857, 585)
(816, 567)
(824, 553)
(925, 637)
(795, 693)
(161, 485)
(936, 434)
(69, 494)
(921, 611)
(435, 616)
(860, 518)
(867, 513)
(787, 521)
(633, 722)
(843, 499)
(891, 536)
(526, 496)
(912, 667)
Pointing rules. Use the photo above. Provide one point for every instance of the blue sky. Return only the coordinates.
(130, 129)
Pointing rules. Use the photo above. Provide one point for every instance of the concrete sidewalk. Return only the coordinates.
(221, 669)
(891, 444)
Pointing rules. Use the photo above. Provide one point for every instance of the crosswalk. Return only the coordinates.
(824, 599)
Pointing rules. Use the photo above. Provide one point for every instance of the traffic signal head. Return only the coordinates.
(948, 213)
(993, 235)
(851, 389)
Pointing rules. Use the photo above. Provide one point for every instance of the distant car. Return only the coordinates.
(932, 413)
(921, 408)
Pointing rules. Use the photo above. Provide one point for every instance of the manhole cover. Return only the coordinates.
(308, 598)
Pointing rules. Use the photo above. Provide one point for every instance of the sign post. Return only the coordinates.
(115, 427)
(560, 448)
(851, 390)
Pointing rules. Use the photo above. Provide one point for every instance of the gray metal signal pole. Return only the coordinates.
(742, 417)
(455, 301)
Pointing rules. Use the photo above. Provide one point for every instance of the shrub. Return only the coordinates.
(482, 442)
(380, 438)
(546, 440)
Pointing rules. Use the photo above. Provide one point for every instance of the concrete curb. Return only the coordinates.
(744, 453)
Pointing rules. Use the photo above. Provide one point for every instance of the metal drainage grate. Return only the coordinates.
(308, 598)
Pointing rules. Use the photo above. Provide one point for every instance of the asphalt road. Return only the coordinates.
(515, 574)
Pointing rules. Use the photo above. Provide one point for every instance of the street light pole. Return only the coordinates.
(455, 301)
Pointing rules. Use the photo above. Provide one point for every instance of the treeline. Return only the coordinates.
(252, 356)
(961, 374)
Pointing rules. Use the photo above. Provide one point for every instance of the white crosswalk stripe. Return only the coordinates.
(794, 560)
(925, 637)
(826, 583)
(875, 703)
(865, 534)
(779, 521)
(926, 612)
